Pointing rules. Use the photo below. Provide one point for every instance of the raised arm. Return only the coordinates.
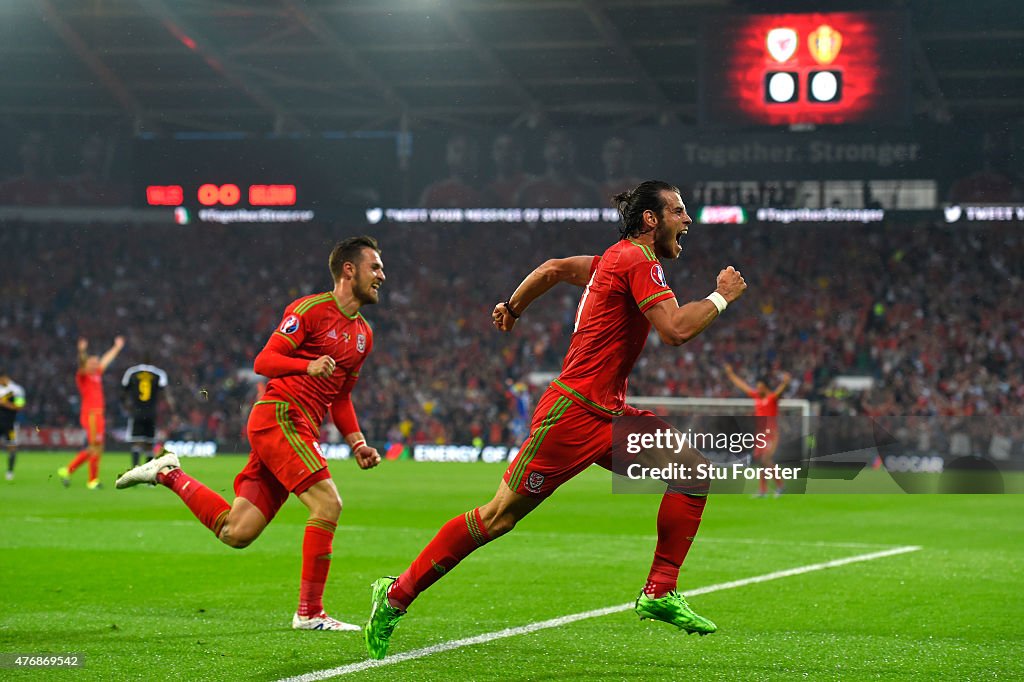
(678, 324)
(83, 353)
(573, 270)
(786, 378)
(737, 382)
(109, 356)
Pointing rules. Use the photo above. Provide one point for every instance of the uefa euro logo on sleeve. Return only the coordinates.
(290, 324)
(658, 275)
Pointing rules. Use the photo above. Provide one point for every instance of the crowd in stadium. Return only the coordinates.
(927, 311)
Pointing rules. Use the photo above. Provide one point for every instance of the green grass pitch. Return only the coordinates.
(131, 581)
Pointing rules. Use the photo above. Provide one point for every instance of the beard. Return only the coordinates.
(665, 245)
(364, 291)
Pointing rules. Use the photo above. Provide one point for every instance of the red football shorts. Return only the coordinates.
(94, 424)
(564, 440)
(285, 457)
(770, 428)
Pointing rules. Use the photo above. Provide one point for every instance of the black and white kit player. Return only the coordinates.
(142, 385)
(12, 400)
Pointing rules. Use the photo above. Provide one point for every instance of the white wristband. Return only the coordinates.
(358, 444)
(719, 301)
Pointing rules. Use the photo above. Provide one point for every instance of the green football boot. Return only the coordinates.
(383, 619)
(673, 609)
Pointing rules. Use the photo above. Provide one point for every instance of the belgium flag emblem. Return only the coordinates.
(824, 43)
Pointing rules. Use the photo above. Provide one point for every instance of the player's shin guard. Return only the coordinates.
(456, 540)
(678, 520)
(316, 563)
(210, 508)
(78, 461)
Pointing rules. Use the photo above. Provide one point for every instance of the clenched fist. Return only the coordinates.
(502, 318)
(322, 367)
(730, 284)
(366, 457)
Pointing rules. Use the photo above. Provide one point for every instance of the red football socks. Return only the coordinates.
(316, 563)
(678, 521)
(456, 540)
(209, 507)
(78, 461)
(94, 467)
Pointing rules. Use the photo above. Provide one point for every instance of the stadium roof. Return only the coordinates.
(305, 65)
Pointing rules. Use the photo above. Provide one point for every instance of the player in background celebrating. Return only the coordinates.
(141, 387)
(12, 400)
(625, 294)
(312, 360)
(766, 411)
(89, 379)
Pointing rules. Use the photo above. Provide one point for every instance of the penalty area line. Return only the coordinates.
(572, 618)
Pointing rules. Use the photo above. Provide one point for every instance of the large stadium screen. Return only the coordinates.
(805, 69)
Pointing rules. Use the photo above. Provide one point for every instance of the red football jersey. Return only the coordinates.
(90, 386)
(611, 328)
(314, 326)
(766, 406)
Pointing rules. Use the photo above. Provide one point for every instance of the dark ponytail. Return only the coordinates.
(644, 197)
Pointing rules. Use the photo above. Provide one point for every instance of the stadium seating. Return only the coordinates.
(914, 306)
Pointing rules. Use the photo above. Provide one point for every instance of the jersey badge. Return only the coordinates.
(290, 325)
(658, 275)
(361, 343)
(535, 481)
(332, 334)
(346, 337)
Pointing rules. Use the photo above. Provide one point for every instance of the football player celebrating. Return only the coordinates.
(312, 359)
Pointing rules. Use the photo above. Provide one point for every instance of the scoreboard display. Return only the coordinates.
(228, 194)
(264, 175)
(806, 69)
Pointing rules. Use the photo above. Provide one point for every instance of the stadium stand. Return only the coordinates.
(912, 306)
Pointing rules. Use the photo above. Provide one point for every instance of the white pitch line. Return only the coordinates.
(521, 534)
(565, 620)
